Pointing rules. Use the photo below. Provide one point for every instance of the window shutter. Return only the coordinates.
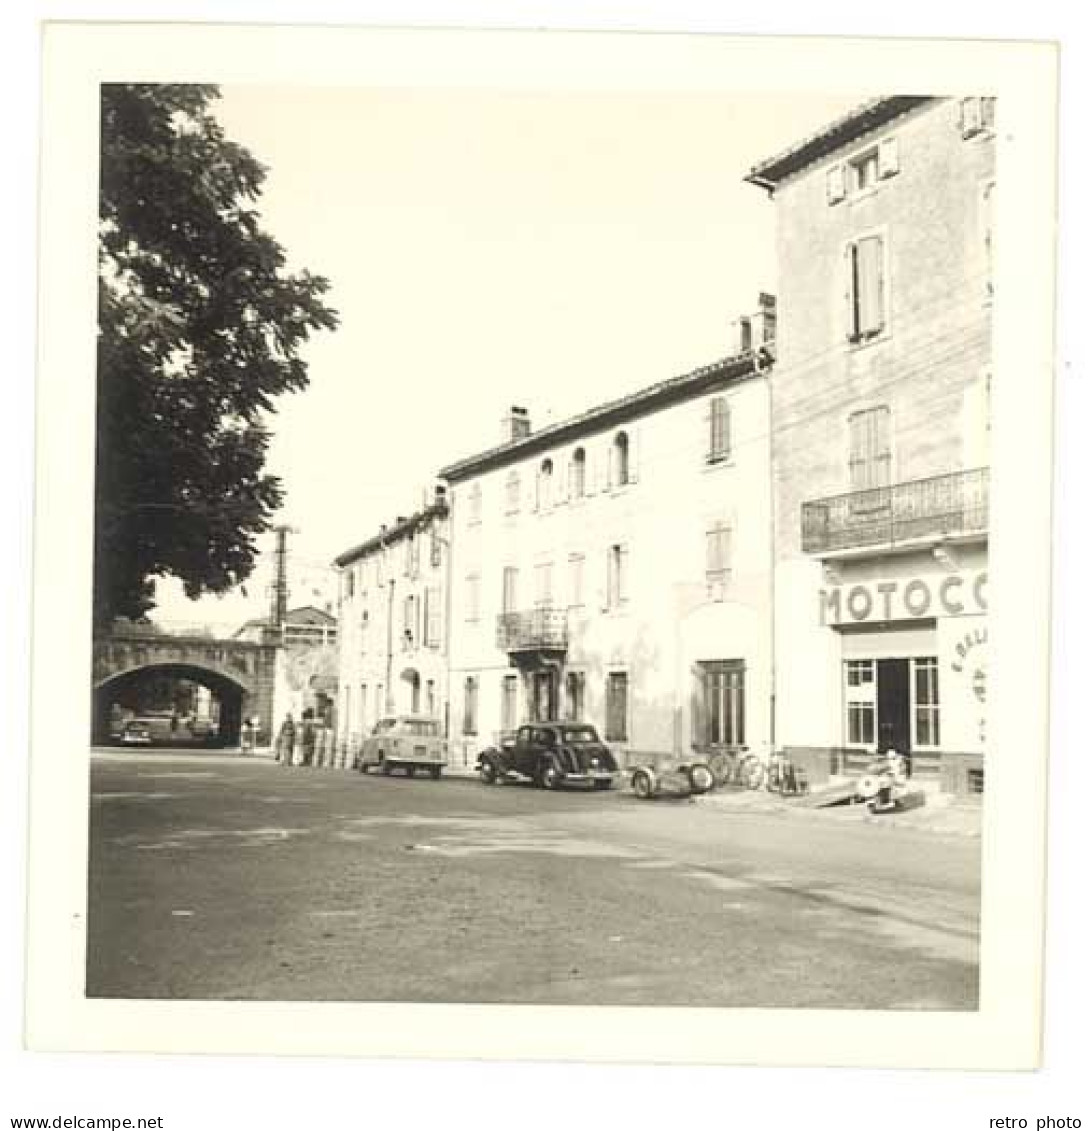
(869, 277)
(634, 455)
(623, 575)
(835, 184)
(851, 285)
(888, 157)
(606, 467)
(725, 428)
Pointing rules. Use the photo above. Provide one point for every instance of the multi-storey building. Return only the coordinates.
(880, 436)
(393, 623)
(613, 567)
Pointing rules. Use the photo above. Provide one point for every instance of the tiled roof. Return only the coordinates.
(612, 412)
(868, 116)
(393, 533)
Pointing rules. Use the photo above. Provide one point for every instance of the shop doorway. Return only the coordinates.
(893, 706)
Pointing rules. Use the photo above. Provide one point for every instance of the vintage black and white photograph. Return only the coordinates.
(541, 542)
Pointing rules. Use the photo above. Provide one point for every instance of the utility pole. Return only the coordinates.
(280, 585)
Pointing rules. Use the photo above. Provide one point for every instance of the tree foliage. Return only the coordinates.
(200, 330)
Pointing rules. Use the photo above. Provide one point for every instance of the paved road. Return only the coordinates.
(214, 876)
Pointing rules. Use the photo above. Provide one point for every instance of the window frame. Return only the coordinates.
(856, 336)
(616, 678)
(718, 412)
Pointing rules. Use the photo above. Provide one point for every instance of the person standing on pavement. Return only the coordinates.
(286, 740)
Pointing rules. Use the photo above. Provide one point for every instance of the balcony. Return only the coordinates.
(921, 510)
(540, 630)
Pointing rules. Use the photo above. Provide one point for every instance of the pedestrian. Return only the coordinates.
(286, 740)
(308, 737)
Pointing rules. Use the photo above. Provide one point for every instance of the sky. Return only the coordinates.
(547, 249)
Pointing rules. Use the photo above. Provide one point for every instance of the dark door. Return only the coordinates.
(545, 696)
(892, 700)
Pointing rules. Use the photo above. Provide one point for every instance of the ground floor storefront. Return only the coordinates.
(893, 657)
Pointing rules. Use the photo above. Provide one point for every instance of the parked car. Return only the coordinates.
(405, 742)
(677, 779)
(136, 732)
(550, 754)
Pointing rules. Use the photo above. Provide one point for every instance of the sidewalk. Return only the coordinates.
(942, 813)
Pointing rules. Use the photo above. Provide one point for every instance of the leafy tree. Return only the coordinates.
(200, 330)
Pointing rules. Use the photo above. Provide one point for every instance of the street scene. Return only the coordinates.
(224, 877)
(643, 660)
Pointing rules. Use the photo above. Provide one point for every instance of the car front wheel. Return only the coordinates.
(700, 778)
(488, 772)
(643, 786)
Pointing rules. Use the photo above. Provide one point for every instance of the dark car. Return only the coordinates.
(550, 755)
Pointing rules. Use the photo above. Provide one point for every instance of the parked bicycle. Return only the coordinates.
(736, 767)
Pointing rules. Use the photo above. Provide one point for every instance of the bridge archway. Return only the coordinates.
(231, 695)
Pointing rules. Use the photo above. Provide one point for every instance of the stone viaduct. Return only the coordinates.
(240, 673)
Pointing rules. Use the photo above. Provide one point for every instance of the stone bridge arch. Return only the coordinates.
(239, 673)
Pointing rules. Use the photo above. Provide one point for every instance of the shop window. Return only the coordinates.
(617, 707)
(860, 702)
(926, 701)
(719, 705)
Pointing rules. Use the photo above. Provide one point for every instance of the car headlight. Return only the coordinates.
(594, 763)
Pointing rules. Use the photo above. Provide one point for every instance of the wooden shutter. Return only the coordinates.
(869, 278)
(623, 575)
(888, 157)
(835, 184)
(851, 288)
(634, 455)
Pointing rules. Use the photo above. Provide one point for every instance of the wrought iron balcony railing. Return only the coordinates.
(532, 630)
(944, 506)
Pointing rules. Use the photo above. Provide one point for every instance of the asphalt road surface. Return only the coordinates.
(219, 877)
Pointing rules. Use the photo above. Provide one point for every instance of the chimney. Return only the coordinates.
(766, 319)
(515, 426)
(440, 495)
(752, 331)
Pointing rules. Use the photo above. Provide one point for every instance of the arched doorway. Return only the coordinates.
(186, 705)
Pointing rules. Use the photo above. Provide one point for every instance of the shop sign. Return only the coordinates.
(952, 595)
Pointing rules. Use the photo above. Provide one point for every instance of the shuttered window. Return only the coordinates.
(865, 288)
(431, 616)
(509, 699)
(719, 430)
(616, 580)
(869, 449)
(718, 560)
(577, 474)
(509, 595)
(511, 493)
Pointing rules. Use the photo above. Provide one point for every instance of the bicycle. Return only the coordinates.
(736, 767)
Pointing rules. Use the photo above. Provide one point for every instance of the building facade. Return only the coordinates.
(879, 405)
(613, 568)
(393, 623)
